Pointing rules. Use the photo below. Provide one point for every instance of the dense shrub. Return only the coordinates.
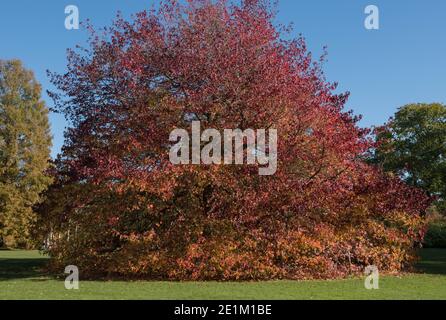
(120, 208)
(436, 234)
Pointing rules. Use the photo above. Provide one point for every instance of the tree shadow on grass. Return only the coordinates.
(433, 261)
(22, 268)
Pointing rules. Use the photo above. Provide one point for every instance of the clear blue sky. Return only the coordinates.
(403, 62)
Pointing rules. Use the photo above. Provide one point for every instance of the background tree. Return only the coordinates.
(413, 146)
(25, 143)
(119, 207)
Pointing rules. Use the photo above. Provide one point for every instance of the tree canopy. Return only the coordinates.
(119, 207)
(25, 143)
(413, 146)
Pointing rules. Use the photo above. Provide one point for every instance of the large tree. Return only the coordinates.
(413, 146)
(119, 206)
(25, 143)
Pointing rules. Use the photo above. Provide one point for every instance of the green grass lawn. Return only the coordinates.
(20, 278)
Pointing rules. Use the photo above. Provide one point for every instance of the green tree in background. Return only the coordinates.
(25, 143)
(413, 146)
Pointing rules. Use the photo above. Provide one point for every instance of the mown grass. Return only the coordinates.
(21, 278)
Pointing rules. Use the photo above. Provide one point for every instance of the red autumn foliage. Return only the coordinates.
(120, 208)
